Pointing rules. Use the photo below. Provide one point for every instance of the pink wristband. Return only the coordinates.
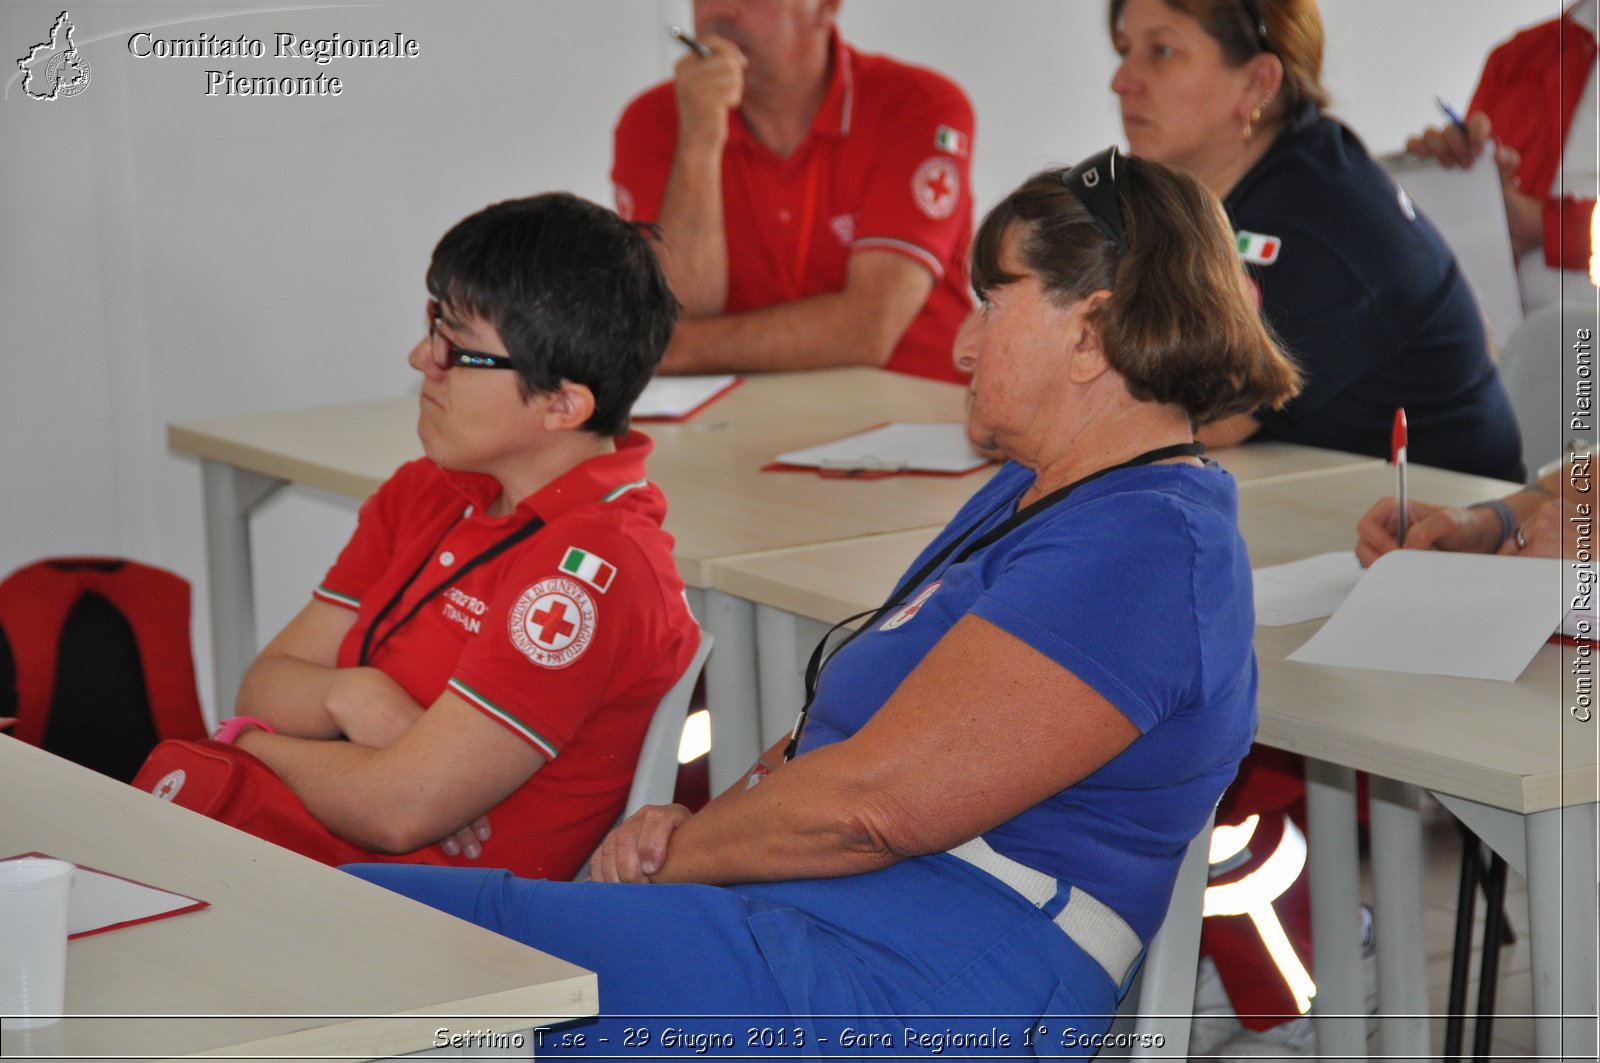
(235, 726)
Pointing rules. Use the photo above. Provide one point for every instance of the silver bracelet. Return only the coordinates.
(1508, 520)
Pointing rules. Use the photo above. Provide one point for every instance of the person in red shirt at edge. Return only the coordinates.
(495, 636)
(1536, 104)
(813, 201)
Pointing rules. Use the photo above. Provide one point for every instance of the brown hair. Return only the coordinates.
(1294, 35)
(1180, 326)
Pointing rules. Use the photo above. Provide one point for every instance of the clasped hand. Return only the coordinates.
(637, 848)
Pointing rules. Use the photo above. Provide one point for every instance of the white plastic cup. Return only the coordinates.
(33, 941)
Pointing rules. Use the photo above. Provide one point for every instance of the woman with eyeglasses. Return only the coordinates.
(1365, 295)
(995, 779)
(471, 681)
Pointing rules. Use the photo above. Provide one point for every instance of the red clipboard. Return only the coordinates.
(661, 418)
(193, 905)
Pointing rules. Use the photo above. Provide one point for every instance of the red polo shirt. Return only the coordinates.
(1529, 89)
(884, 167)
(568, 639)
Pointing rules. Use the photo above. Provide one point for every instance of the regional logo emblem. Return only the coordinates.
(553, 622)
(55, 69)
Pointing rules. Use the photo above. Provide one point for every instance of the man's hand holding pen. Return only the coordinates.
(708, 89)
(1459, 143)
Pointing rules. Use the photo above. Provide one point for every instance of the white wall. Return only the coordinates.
(165, 256)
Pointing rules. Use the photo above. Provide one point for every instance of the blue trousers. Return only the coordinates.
(928, 957)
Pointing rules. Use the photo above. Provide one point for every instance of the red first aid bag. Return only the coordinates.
(227, 784)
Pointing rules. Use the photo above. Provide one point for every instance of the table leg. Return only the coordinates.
(1402, 952)
(732, 696)
(780, 671)
(1334, 860)
(229, 495)
(1562, 931)
(784, 643)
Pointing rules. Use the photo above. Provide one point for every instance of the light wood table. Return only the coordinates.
(292, 959)
(1507, 757)
(720, 503)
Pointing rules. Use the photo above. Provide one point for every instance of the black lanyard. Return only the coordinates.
(493, 551)
(818, 660)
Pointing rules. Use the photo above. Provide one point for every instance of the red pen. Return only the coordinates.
(1397, 454)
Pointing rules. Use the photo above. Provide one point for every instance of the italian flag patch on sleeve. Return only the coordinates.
(596, 571)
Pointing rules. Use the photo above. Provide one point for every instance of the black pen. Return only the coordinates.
(689, 42)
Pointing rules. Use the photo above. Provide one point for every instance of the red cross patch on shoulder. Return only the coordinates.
(936, 186)
(553, 622)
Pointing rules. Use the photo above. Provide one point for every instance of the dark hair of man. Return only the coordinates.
(1294, 35)
(574, 291)
(1180, 325)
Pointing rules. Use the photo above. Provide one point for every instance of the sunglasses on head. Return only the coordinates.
(453, 355)
(1252, 11)
(1094, 182)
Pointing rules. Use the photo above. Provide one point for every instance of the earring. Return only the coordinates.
(1255, 116)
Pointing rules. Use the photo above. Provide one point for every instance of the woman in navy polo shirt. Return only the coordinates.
(1360, 288)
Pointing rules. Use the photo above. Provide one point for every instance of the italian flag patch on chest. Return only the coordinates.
(594, 570)
(1258, 249)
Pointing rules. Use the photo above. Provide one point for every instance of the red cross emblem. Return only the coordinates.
(553, 622)
(169, 785)
(936, 186)
(911, 610)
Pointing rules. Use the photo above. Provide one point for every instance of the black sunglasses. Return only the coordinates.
(1094, 182)
(454, 356)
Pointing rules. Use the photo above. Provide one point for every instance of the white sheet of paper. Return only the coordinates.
(99, 900)
(1304, 590)
(1434, 613)
(677, 396)
(1468, 209)
(903, 447)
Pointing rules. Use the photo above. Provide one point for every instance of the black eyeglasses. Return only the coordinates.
(1094, 182)
(1252, 11)
(454, 356)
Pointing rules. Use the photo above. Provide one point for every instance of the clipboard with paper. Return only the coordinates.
(1468, 209)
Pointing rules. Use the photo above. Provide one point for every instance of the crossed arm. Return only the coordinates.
(983, 729)
(858, 325)
(407, 777)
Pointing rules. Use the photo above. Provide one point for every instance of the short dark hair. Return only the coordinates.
(575, 293)
(1293, 34)
(1180, 325)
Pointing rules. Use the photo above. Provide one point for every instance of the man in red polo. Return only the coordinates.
(814, 202)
